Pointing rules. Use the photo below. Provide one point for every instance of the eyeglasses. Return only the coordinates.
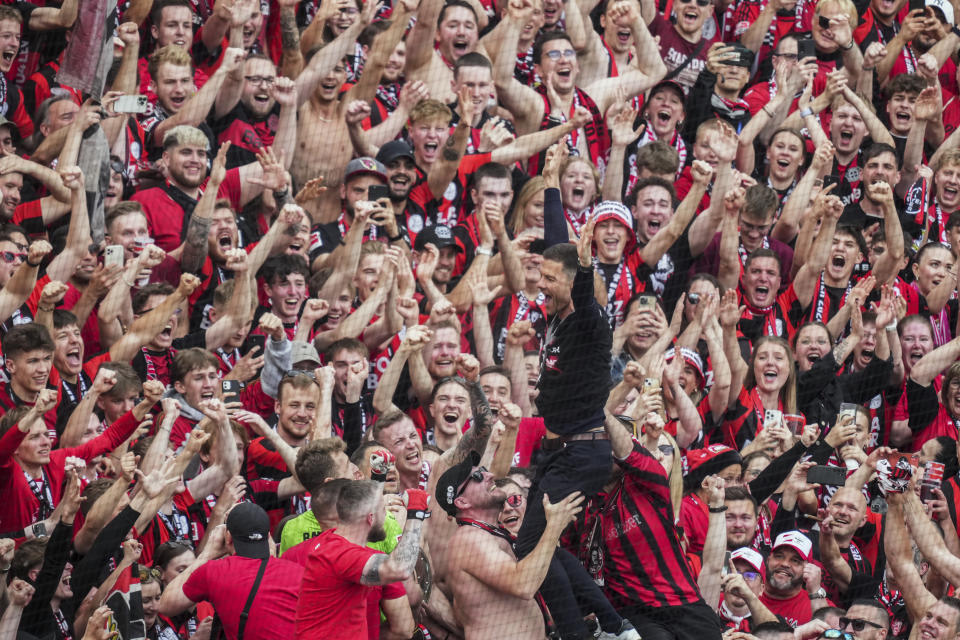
(836, 634)
(557, 53)
(348, 11)
(10, 256)
(750, 575)
(823, 22)
(515, 500)
(858, 624)
(700, 3)
(260, 80)
(476, 476)
(792, 57)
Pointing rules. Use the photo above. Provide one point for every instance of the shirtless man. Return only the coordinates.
(483, 572)
(326, 149)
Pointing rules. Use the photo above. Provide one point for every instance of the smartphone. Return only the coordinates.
(231, 390)
(651, 383)
(646, 303)
(726, 563)
(377, 191)
(773, 415)
(805, 48)
(131, 104)
(827, 475)
(829, 180)
(113, 256)
(912, 459)
(917, 5)
(848, 408)
(255, 340)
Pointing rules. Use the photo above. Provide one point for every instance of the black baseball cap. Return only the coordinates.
(249, 526)
(440, 235)
(448, 487)
(668, 85)
(393, 150)
(743, 57)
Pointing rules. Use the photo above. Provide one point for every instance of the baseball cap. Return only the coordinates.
(300, 351)
(750, 556)
(439, 235)
(364, 167)
(945, 8)
(249, 526)
(743, 57)
(708, 461)
(449, 484)
(668, 85)
(692, 358)
(393, 150)
(795, 540)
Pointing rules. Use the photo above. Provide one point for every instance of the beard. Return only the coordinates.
(377, 533)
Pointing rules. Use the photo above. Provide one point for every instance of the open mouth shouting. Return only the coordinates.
(902, 118)
(460, 45)
(8, 55)
(73, 358)
(623, 37)
(846, 137)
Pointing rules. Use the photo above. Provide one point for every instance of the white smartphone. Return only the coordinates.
(131, 104)
(113, 256)
(773, 415)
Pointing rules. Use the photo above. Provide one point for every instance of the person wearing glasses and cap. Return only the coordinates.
(483, 571)
(740, 608)
(717, 90)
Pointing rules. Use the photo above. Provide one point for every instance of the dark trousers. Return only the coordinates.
(688, 622)
(568, 589)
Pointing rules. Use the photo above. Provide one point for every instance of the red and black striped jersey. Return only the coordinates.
(643, 560)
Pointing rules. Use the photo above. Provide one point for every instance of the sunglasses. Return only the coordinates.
(117, 166)
(10, 256)
(556, 54)
(792, 57)
(823, 22)
(700, 3)
(515, 500)
(666, 449)
(836, 634)
(476, 476)
(858, 624)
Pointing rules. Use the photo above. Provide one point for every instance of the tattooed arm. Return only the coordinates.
(291, 64)
(398, 566)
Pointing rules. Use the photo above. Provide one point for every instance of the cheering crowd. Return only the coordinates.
(479, 319)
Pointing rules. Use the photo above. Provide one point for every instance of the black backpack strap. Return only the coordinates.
(253, 592)
(696, 52)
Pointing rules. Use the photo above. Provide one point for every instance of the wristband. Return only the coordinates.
(399, 236)
(483, 251)
(48, 310)
(34, 265)
(806, 112)
(717, 509)
(417, 501)
(892, 326)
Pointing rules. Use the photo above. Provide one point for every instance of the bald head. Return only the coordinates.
(848, 510)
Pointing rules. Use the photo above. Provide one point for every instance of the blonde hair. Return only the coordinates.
(788, 393)
(184, 134)
(170, 54)
(948, 157)
(430, 110)
(846, 6)
(529, 191)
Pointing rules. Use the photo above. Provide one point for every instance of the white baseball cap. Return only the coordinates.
(945, 8)
(799, 542)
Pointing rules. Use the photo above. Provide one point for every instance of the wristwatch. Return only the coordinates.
(819, 594)
(483, 251)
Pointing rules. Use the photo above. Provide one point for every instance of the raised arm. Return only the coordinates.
(398, 566)
(522, 101)
(888, 263)
(702, 173)
(806, 279)
(788, 225)
(324, 61)
(78, 233)
(147, 326)
(24, 279)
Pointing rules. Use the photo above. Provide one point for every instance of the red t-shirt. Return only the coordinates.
(226, 583)
(333, 603)
(300, 553)
(795, 610)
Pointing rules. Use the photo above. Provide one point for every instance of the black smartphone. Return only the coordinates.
(255, 340)
(231, 390)
(377, 191)
(805, 48)
(826, 475)
(829, 180)
(917, 5)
